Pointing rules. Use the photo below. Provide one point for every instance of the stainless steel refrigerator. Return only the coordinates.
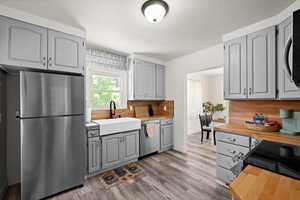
(53, 146)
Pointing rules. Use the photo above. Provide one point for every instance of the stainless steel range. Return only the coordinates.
(276, 157)
(53, 149)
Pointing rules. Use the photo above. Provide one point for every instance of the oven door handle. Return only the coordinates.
(286, 57)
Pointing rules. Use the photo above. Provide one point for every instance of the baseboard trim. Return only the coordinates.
(3, 189)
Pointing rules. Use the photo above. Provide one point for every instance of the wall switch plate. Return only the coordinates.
(165, 107)
(130, 108)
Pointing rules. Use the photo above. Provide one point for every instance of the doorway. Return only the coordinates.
(204, 86)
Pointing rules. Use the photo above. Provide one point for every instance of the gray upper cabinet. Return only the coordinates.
(22, 44)
(160, 82)
(235, 69)
(131, 145)
(30, 46)
(149, 78)
(65, 52)
(286, 86)
(144, 80)
(139, 81)
(147, 81)
(261, 57)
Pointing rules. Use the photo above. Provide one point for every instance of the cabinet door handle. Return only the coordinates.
(231, 151)
(231, 139)
(245, 91)
(250, 91)
(44, 61)
(50, 61)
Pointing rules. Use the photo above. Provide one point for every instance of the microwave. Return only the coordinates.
(293, 46)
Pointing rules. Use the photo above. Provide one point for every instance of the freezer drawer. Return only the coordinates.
(44, 94)
(53, 155)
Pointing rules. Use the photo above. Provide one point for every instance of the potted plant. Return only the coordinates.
(211, 109)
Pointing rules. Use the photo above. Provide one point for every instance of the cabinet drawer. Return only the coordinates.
(225, 161)
(93, 133)
(230, 149)
(225, 175)
(166, 121)
(233, 139)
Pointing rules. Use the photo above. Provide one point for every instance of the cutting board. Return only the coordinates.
(141, 111)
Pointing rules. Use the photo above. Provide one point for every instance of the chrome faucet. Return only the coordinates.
(112, 109)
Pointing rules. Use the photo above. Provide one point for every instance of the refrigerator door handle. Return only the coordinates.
(18, 114)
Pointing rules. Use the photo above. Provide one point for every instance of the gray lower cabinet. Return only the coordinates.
(261, 57)
(230, 148)
(111, 150)
(119, 148)
(286, 86)
(235, 69)
(131, 145)
(94, 155)
(22, 44)
(65, 52)
(166, 137)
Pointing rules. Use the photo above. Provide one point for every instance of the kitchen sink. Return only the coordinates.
(118, 125)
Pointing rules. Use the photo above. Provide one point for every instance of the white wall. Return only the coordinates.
(216, 93)
(176, 73)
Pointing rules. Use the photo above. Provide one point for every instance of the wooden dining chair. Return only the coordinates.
(205, 121)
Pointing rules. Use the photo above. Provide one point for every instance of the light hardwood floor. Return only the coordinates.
(167, 176)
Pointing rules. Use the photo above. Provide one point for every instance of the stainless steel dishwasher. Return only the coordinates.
(148, 144)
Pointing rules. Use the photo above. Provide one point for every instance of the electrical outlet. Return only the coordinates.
(165, 108)
(130, 108)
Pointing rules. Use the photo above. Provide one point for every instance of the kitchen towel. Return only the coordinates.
(150, 130)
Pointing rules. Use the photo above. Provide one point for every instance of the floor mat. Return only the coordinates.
(119, 175)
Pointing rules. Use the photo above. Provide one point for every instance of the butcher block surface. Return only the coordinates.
(259, 184)
(271, 136)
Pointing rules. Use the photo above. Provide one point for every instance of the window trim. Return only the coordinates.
(122, 75)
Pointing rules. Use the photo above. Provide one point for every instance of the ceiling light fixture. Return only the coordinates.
(155, 10)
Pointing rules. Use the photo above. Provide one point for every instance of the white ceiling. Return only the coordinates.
(191, 25)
